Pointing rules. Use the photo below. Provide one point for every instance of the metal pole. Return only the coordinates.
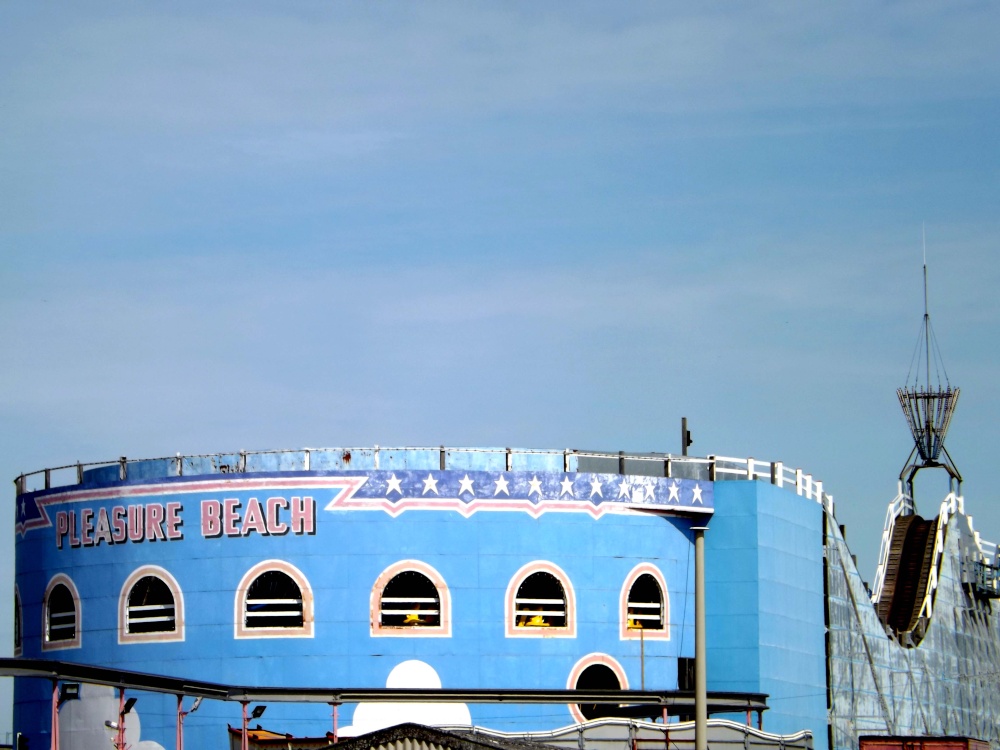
(120, 742)
(54, 731)
(642, 658)
(335, 706)
(179, 744)
(244, 745)
(700, 673)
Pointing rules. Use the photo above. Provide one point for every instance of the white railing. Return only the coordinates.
(902, 505)
(989, 549)
(952, 504)
(712, 468)
(776, 473)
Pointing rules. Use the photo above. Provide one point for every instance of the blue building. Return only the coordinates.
(454, 568)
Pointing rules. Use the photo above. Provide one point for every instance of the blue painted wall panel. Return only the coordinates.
(482, 460)
(341, 557)
(409, 459)
(152, 469)
(764, 571)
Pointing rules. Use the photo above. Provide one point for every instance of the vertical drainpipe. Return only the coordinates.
(120, 731)
(828, 664)
(179, 739)
(700, 672)
(54, 731)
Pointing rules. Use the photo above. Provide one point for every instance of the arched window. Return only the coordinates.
(150, 607)
(644, 607)
(18, 635)
(274, 600)
(595, 672)
(62, 614)
(540, 603)
(410, 599)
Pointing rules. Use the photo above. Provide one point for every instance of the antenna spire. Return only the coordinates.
(928, 408)
(927, 315)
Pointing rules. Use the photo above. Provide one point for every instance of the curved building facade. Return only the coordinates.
(480, 569)
(491, 569)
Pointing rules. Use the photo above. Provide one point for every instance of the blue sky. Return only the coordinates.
(252, 226)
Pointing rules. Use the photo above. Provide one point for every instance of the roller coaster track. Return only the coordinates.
(908, 571)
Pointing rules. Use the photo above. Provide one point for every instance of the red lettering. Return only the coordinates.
(86, 526)
(62, 527)
(303, 515)
(174, 521)
(274, 526)
(253, 520)
(135, 523)
(154, 522)
(231, 516)
(73, 540)
(102, 533)
(118, 527)
(211, 518)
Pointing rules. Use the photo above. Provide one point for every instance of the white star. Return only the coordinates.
(22, 507)
(536, 486)
(502, 486)
(696, 494)
(674, 492)
(567, 487)
(623, 489)
(393, 486)
(430, 485)
(595, 487)
(650, 493)
(465, 486)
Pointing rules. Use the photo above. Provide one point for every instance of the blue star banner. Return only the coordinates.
(532, 492)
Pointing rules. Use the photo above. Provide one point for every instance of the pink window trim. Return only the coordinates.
(75, 642)
(539, 566)
(305, 591)
(582, 664)
(634, 635)
(156, 572)
(444, 602)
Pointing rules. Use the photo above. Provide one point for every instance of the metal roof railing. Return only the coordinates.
(711, 468)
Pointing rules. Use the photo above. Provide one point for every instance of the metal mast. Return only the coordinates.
(928, 406)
